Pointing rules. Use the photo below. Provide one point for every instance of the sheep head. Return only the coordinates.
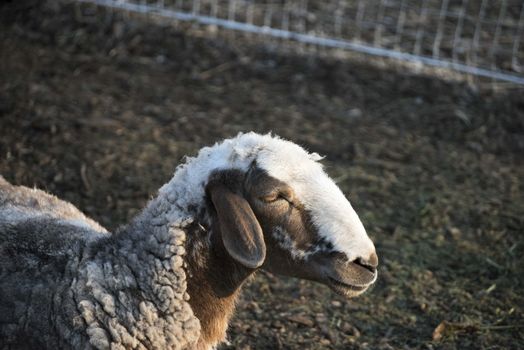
(283, 213)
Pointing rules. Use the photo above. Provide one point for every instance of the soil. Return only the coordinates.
(99, 110)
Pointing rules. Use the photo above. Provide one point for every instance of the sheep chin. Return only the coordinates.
(346, 290)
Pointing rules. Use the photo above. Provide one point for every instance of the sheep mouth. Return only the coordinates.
(345, 289)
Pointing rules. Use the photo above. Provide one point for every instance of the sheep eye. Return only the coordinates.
(270, 198)
(274, 197)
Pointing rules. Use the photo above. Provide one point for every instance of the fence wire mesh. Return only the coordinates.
(478, 37)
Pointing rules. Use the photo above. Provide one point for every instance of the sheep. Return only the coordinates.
(170, 278)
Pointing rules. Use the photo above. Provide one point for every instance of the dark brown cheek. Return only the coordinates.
(299, 230)
(291, 219)
(268, 217)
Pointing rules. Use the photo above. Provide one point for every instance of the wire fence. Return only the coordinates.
(478, 37)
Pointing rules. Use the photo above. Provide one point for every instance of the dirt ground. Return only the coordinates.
(99, 111)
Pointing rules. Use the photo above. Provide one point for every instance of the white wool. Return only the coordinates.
(331, 212)
(13, 215)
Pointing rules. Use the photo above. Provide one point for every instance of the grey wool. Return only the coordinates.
(66, 283)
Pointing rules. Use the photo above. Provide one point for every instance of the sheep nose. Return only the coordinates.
(369, 263)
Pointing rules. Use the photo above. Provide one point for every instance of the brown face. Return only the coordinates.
(294, 246)
(279, 232)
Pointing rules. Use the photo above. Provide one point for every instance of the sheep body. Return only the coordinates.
(66, 283)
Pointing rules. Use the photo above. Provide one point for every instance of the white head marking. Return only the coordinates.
(330, 211)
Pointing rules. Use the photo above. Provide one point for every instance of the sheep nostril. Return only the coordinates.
(373, 260)
(369, 264)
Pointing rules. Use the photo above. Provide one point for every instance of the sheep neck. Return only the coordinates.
(214, 283)
(213, 278)
(146, 260)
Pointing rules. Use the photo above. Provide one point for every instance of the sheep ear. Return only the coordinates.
(241, 233)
